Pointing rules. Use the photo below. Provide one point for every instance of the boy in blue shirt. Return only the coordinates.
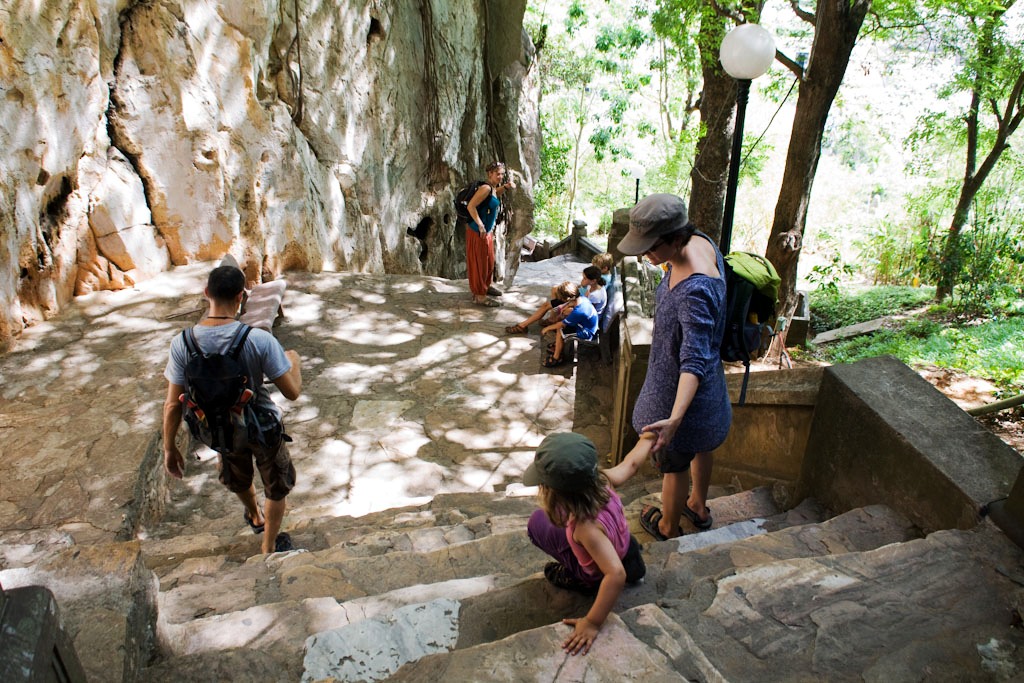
(580, 319)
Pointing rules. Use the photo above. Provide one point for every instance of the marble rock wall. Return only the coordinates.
(138, 135)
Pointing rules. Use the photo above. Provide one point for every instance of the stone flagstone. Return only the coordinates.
(537, 655)
(373, 649)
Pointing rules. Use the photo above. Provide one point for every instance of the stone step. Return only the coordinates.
(412, 534)
(221, 588)
(216, 666)
(414, 646)
(672, 569)
(310, 529)
(490, 606)
(533, 603)
(938, 608)
(687, 577)
(281, 628)
(726, 510)
(205, 599)
(650, 624)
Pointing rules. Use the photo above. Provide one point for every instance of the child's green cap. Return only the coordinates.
(564, 462)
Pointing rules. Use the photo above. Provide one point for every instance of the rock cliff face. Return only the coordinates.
(295, 134)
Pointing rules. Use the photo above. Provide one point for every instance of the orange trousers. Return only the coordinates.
(479, 261)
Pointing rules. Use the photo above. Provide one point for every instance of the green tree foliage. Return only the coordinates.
(964, 229)
(607, 83)
(989, 77)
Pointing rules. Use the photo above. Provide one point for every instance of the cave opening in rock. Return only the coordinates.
(420, 232)
(376, 31)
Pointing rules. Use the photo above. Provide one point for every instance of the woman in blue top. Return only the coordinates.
(483, 209)
(684, 401)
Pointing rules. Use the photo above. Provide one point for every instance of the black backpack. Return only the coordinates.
(462, 199)
(749, 310)
(216, 389)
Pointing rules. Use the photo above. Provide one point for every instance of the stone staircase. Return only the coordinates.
(453, 590)
(158, 580)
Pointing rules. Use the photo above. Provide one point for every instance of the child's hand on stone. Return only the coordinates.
(582, 637)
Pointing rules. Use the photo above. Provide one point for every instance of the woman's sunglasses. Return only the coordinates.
(655, 246)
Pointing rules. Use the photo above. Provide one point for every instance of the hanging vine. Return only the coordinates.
(436, 170)
(497, 146)
(296, 78)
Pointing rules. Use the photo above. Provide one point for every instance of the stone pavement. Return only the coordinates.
(409, 391)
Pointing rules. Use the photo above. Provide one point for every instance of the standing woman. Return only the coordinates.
(483, 210)
(683, 402)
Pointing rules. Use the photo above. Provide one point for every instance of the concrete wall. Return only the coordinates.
(882, 434)
(768, 439)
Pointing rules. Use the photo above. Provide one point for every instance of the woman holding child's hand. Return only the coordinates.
(683, 403)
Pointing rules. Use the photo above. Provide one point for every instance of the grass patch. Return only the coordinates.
(991, 348)
(832, 310)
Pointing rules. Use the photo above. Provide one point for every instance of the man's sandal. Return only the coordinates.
(516, 329)
(552, 362)
(650, 517)
(256, 528)
(283, 543)
(701, 524)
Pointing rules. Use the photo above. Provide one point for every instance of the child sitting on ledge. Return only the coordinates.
(578, 318)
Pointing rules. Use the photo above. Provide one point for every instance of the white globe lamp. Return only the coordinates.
(746, 53)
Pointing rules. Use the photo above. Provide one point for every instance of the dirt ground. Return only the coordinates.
(969, 392)
(966, 392)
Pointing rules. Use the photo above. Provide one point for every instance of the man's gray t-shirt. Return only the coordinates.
(261, 356)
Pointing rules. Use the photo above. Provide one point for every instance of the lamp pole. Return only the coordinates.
(742, 94)
(747, 51)
(636, 171)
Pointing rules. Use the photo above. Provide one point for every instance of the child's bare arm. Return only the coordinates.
(592, 537)
(554, 327)
(621, 473)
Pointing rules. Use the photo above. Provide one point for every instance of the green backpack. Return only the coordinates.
(751, 294)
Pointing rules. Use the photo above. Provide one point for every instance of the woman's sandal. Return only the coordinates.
(552, 362)
(516, 329)
(650, 517)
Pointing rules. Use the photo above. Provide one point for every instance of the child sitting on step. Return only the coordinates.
(581, 523)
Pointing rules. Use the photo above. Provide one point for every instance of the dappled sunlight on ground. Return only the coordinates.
(408, 391)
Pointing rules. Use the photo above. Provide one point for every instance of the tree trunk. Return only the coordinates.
(951, 264)
(837, 23)
(711, 166)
